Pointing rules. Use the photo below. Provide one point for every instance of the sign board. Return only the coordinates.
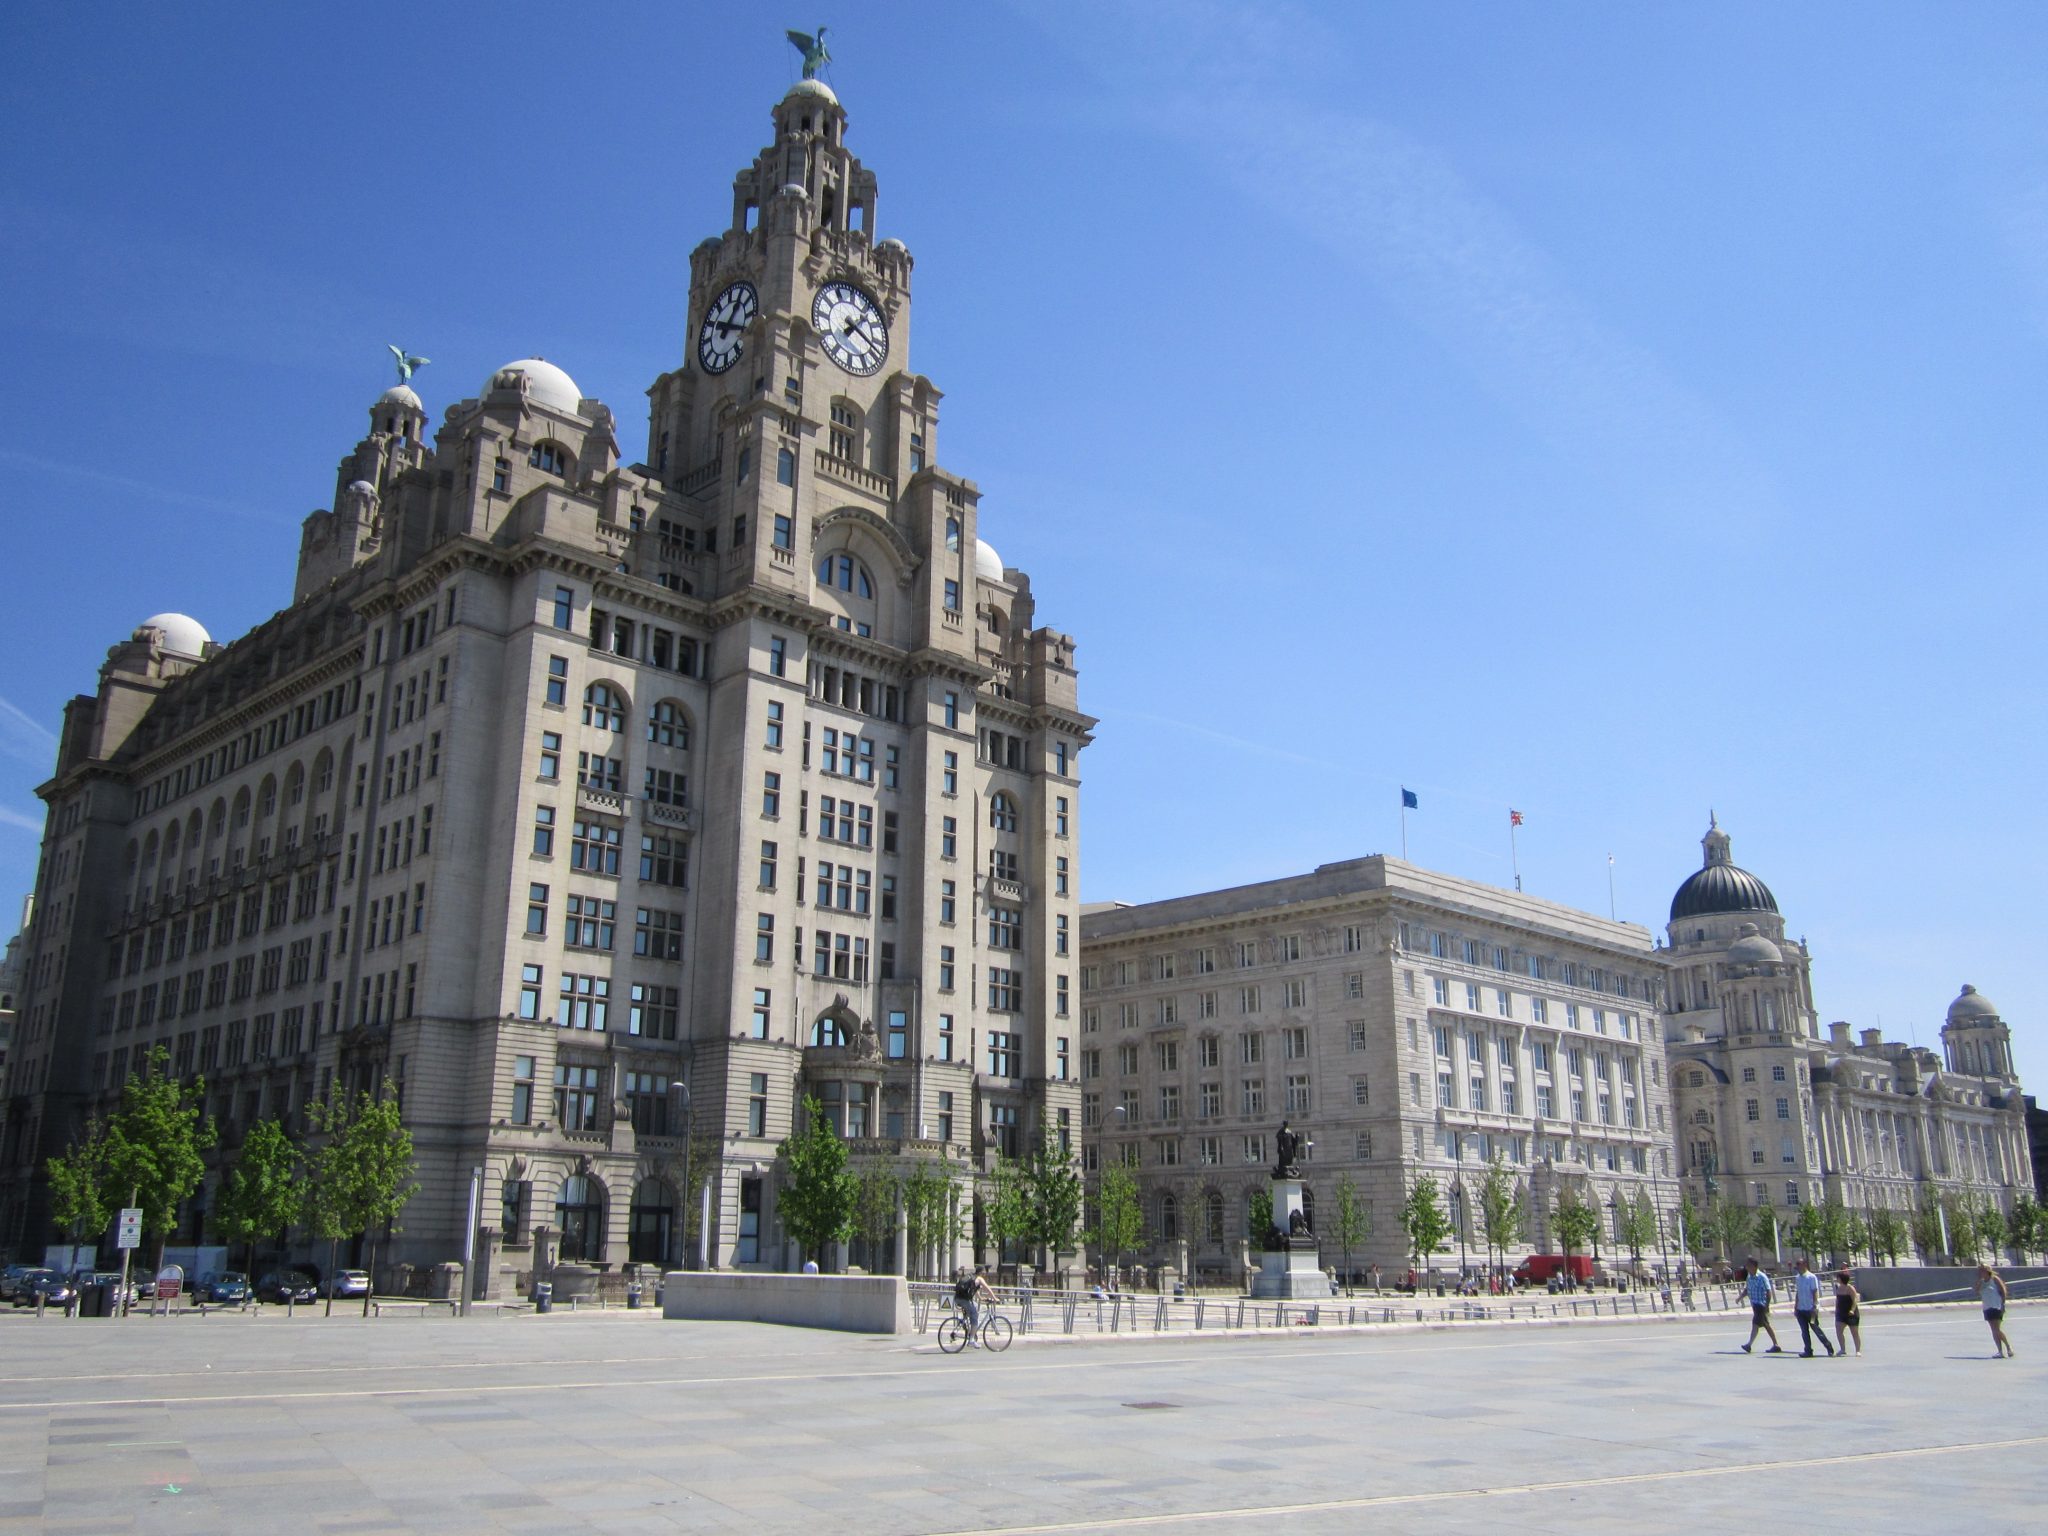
(129, 1232)
(170, 1280)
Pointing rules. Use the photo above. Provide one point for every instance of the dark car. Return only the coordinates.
(228, 1288)
(54, 1289)
(286, 1285)
(11, 1278)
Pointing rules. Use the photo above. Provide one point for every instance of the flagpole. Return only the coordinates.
(1610, 888)
(1514, 850)
(1404, 831)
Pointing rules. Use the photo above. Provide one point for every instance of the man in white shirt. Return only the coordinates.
(1806, 1309)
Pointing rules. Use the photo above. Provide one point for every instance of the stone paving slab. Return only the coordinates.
(625, 1422)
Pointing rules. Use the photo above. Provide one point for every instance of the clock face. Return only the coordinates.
(855, 335)
(718, 338)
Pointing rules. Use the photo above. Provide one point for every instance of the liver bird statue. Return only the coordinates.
(813, 50)
(407, 363)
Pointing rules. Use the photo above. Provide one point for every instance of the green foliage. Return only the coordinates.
(1964, 1238)
(361, 1176)
(2028, 1234)
(1730, 1224)
(1119, 1221)
(931, 1208)
(1834, 1228)
(1258, 1215)
(1699, 1238)
(1350, 1219)
(1053, 1197)
(1502, 1211)
(874, 1211)
(1005, 1206)
(80, 1202)
(153, 1142)
(1637, 1227)
(263, 1193)
(1577, 1222)
(1809, 1231)
(1855, 1236)
(819, 1193)
(1763, 1232)
(1424, 1220)
(1888, 1235)
(1991, 1226)
(1926, 1227)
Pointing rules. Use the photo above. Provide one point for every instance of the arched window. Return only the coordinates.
(1212, 1204)
(828, 1031)
(552, 458)
(652, 1223)
(1169, 1218)
(267, 804)
(668, 726)
(847, 574)
(579, 1214)
(1002, 812)
(604, 707)
(953, 535)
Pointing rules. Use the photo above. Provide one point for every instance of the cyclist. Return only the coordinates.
(970, 1289)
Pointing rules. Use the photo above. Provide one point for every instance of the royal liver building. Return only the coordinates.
(565, 780)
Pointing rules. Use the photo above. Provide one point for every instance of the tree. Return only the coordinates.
(361, 1177)
(1005, 1207)
(1730, 1224)
(1502, 1211)
(1638, 1226)
(1964, 1238)
(1258, 1215)
(1855, 1236)
(1692, 1222)
(1577, 1224)
(153, 1144)
(1992, 1228)
(1834, 1229)
(1053, 1198)
(1926, 1227)
(79, 1198)
(1888, 1235)
(1424, 1220)
(874, 1216)
(1350, 1220)
(262, 1194)
(1764, 1231)
(932, 1212)
(1119, 1221)
(2028, 1234)
(1809, 1231)
(819, 1192)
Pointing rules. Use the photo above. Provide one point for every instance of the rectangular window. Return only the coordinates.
(576, 1097)
(590, 923)
(551, 754)
(565, 607)
(764, 938)
(771, 794)
(583, 1002)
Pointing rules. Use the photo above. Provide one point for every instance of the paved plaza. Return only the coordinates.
(622, 1422)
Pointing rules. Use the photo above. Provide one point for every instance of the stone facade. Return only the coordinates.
(566, 781)
(1407, 1022)
(1772, 1112)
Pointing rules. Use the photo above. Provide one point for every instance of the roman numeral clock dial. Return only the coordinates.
(851, 327)
(718, 338)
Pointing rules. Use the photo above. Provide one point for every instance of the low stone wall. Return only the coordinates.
(1932, 1282)
(850, 1303)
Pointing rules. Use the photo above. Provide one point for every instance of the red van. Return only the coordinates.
(1539, 1267)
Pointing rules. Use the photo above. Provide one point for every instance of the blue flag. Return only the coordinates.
(1408, 801)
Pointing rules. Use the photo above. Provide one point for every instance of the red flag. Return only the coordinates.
(1514, 817)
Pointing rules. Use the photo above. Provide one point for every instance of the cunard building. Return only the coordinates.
(565, 780)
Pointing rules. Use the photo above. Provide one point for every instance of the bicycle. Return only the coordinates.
(994, 1333)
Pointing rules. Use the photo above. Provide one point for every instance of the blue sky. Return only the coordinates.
(1606, 411)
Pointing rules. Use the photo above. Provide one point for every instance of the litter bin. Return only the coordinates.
(633, 1297)
(543, 1297)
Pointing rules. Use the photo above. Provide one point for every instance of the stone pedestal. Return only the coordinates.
(1290, 1267)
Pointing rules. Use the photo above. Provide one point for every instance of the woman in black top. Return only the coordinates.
(1848, 1313)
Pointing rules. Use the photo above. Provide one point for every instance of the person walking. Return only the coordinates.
(1806, 1310)
(1848, 1313)
(1759, 1289)
(1992, 1293)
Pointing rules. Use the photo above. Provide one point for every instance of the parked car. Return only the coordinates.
(10, 1280)
(228, 1288)
(110, 1277)
(54, 1289)
(346, 1282)
(286, 1285)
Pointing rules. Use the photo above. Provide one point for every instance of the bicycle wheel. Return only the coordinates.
(995, 1334)
(952, 1335)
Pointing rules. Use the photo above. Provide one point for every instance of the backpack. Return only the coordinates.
(963, 1288)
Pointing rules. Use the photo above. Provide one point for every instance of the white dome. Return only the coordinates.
(177, 632)
(816, 88)
(988, 565)
(400, 394)
(363, 488)
(546, 383)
